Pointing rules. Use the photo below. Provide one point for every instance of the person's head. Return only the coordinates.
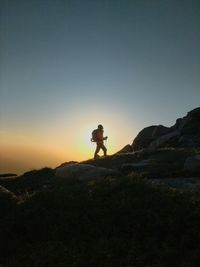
(100, 127)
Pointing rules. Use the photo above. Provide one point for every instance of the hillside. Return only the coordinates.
(139, 207)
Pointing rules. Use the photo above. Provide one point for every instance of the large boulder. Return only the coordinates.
(191, 127)
(163, 140)
(82, 172)
(195, 113)
(36, 179)
(189, 141)
(184, 133)
(148, 135)
(190, 124)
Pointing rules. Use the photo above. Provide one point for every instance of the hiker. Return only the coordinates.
(98, 138)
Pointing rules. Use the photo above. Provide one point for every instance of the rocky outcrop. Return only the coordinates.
(195, 113)
(162, 140)
(184, 133)
(148, 135)
(83, 172)
(36, 179)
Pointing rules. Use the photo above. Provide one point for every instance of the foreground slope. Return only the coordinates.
(112, 222)
(111, 211)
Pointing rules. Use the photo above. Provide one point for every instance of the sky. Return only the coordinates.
(68, 65)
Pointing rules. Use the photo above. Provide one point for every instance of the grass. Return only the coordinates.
(115, 222)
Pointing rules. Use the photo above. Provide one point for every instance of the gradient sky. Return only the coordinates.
(67, 66)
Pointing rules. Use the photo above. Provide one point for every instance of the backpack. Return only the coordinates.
(94, 135)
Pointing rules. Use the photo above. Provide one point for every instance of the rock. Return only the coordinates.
(192, 163)
(195, 113)
(36, 179)
(180, 123)
(190, 124)
(184, 133)
(82, 172)
(138, 164)
(192, 127)
(113, 162)
(177, 125)
(66, 163)
(143, 139)
(147, 135)
(188, 141)
(162, 140)
(128, 167)
(126, 149)
(159, 131)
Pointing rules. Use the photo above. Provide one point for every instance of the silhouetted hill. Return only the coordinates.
(138, 207)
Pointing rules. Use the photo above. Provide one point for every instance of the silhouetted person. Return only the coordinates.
(97, 136)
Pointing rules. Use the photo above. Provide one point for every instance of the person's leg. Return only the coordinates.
(97, 151)
(104, 150)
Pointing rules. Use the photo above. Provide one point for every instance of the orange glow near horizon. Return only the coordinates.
(45, 148)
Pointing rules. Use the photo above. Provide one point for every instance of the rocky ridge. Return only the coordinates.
(82, 208)
(157, 152)
(185, 133)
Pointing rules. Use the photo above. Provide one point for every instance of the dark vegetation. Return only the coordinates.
(118, 221)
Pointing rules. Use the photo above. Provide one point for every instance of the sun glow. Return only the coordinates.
(84, 148)
(64, 138)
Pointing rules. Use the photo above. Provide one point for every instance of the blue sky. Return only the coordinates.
(65, 64)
